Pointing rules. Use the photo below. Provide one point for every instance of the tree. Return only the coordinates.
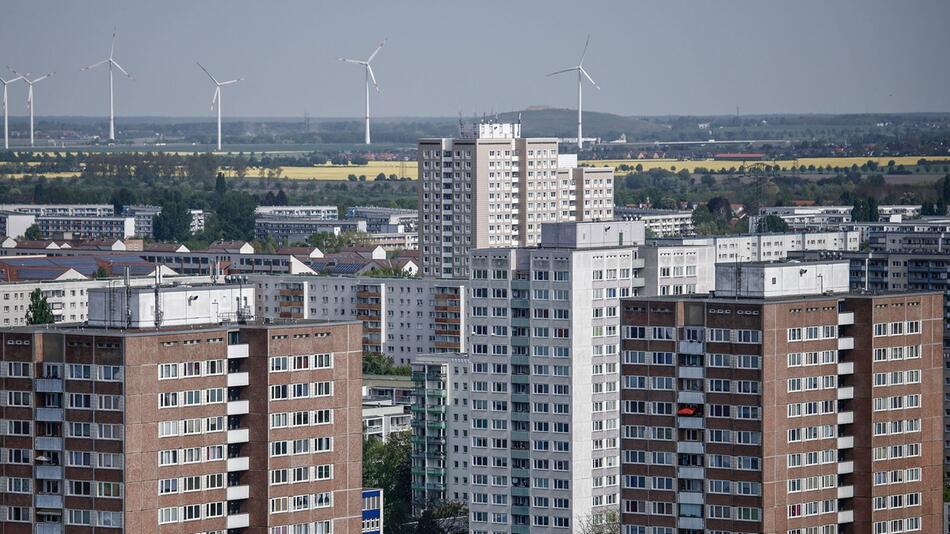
(101, 273)
(39, 311)
(330, 242)
(173, 223)
(33, 232)
(236, 215)
(123, 197)
(772, 223)
(221, 183)
(606, 522)
(375, 363)
(388, 465)
(281, 198)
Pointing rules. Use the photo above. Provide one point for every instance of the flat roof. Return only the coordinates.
(82, 328)
(783, 298)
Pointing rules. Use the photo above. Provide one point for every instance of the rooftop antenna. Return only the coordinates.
(460, 124)
(158, 302)
(128, 299)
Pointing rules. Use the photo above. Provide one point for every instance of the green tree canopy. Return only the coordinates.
(39, 311)
(33, 232)
(388, 465)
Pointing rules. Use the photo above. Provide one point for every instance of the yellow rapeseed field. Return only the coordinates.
(717, 165)
(341, 172)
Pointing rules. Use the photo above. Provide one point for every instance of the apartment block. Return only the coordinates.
(383, 418)
(544, 398)
(187, 422)
(768, 247)
(492, 188)
(812, 218)
(144, 218)
(14, 224)
(440, 430)
(80, 227)
(402, 317)
(326, 213)
(782, 404)
(659, 223)
(299, 229)
(62, 210)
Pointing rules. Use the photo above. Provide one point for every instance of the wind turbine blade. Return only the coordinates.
(355, 61)
(112, 49)
(591, 79)
(378, 48)
(581, 62)
(120, 68)
(372, 77)
(94, 65)
(572, 69)
(229, 82)
(11, 69)
(43, 77)
(208, 73)
(214, 99)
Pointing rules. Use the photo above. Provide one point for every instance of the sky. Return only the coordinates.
(443, 58)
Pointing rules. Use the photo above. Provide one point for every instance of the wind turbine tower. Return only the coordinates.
(581, 74)
(112, 63)
(6, 112)
(216, 99)
(29, 94)
(369, 77)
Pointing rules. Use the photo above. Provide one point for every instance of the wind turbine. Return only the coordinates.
(216, 99)
(29, 95)
(6, 112)
(369, 77)
(581, 74)
(112, 63)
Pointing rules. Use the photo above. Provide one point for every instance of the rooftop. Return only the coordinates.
(83, 329)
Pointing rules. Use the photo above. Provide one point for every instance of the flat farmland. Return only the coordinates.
(406, 169)
(719, 165)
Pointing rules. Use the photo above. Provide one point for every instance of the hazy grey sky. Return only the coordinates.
(443, 57)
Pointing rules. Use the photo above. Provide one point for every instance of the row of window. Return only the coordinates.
(301, 474)
(168, 371)
(190, 455)
(803, 409)
(301, 362)
(812, 383)
(900, 426)
(24, 514)
(728, 361)
(190, 512)
(715, 335)
(319, 527)
(809, 333)
(301, 446)
(302, 390)
(897, 378)
(298, 503)
(301, 418)
(801, 359)
(897, 402)
(192, 397)
(187, 427)
(811, 433)
(898, 328)
(897, 353)
(802, 459)
(188, 484)
(796, 485)
(901, 500)
(897, 476)
(895, 526)
(892, 452)
(807, 509)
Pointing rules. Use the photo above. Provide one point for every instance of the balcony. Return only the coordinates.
(239, 521)
(846, 516)
(690, 497)
(845, 418)
(690, 422)
(49, 501)
(697, 473)
(49, 528)
(845, 318)
(239, 407)
(690, 523)
(846, 368)
(237, 379)
(845, 343)
(49, 385)
(690, 347)
(49, 472)
(49, 414)
(690, 372)
(845, 492)
(240, 435)
(690, 447)
(845, 393)
(690, 397)
(49, 443)
(241, 463)
(237, 351)
(846, 442)
(845, 467)
(238, 492)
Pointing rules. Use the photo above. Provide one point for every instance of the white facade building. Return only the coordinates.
(169, 306)
(678, 269)
(382, 418)
(768, 280)
(62, 210)
(324, 213)
(659, 223)
(544, 376)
